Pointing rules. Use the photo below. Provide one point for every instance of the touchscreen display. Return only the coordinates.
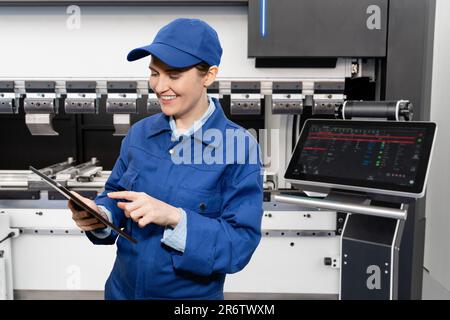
(371, 154)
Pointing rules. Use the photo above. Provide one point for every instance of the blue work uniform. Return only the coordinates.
(222, 201)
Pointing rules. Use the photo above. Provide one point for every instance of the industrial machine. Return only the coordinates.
(303, 61)
(390, 163)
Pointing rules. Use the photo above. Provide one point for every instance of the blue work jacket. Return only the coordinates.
(222, 201)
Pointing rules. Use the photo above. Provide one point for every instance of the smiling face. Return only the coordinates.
(181, 92)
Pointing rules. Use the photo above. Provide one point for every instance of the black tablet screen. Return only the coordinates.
(79, 204)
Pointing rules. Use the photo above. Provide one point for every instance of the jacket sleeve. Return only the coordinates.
(225, 244)
(112, 184)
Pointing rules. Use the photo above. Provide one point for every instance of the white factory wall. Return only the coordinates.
(437, 245)
(40, 42)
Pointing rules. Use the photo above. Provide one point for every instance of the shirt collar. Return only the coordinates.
(216, 120)
(196, 126)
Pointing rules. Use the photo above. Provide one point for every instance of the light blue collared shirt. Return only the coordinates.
(196, 126)
(172, 237)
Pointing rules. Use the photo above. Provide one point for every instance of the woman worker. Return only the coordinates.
(182, 185)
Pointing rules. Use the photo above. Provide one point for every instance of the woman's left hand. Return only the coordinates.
(144, 209)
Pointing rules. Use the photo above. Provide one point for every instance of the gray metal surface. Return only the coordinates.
(121, 124)
(278, 296)
(408, 76)
(125, 2)
(344, 207)
(51, 231)
(40, 124)
(317, 28)
(80, 105)
(39, 105)
(99, 295)
(57, 295)
(7, 103)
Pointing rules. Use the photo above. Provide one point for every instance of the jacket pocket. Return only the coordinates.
(207, 203)
(127, 181)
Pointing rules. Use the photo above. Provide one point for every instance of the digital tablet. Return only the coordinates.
(80, 205)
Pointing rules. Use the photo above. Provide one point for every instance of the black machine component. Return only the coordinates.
(370, 255)
(295, 62)
(274, 24)
(401, 110)
(20, 194)
(55, 195)
(250, 113)
(389, 165)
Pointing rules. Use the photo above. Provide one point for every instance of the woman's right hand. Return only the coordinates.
(84, 220)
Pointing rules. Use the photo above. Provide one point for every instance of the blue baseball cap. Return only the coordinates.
(183, 43)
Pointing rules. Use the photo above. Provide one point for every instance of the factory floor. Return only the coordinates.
(432, 290)
(98, 295)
